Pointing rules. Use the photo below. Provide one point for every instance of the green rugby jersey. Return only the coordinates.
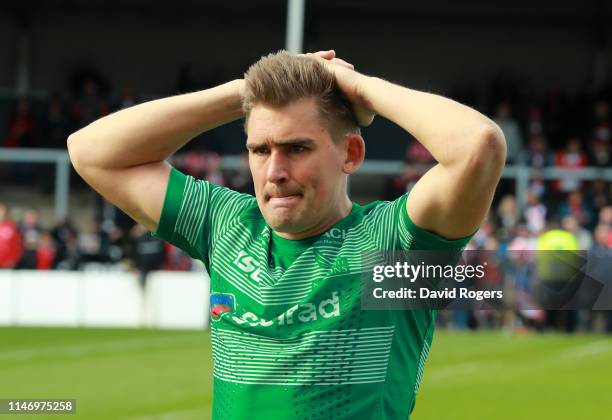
(289, 338)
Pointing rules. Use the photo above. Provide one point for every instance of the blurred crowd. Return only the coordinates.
(46, 122)
(542, 128)
(555, 130)
(111, 238)
(552, 129)
(117, 243)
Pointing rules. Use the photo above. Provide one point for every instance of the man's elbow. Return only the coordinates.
(71, 145)
(77, 152)
(70, 141)
(486, 160)
(491, 147)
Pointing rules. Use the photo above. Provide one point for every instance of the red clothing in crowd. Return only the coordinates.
(45, 256)
(20, 126)
(176, 260)
(11, 244)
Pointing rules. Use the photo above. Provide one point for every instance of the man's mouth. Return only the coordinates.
(284, 200)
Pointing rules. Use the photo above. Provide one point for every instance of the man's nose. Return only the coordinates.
(278, 168)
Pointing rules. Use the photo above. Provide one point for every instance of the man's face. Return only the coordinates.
(297, 168)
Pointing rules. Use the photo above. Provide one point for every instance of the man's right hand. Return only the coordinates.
(349, 81)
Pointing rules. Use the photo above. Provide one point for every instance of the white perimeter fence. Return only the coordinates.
(172, 300)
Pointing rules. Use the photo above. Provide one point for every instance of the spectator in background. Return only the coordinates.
(554, 274)
(512, 132)
(538, 158)
(523, 242)
(605, 216)
(599, 195)
(91, 244)
(599, 269)
(45, 252)
(115, 228)
(600, 153)
(31, 232)
(52, 133)
(67, 255)
(535, 214)
(486, 231)
(521, 253)
(149, 252)
(575, 205)
(572, 157)
(11, 241)
(176, 259)
(583, 236)
(508, 215)
(20, 132)
(55, 124)
(521, 256)
(21, 124)
(602, 243)
(117, 242)
(605, 219)
(89, 106)
(535, 126)
(603, 125)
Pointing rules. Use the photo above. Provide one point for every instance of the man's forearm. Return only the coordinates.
(152, 131)
(449, 130)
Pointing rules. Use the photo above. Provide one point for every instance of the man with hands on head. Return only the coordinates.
(289, 337)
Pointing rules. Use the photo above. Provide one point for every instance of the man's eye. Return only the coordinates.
(260, 150)
(297, 148)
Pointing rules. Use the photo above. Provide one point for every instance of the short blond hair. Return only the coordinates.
(280, 78)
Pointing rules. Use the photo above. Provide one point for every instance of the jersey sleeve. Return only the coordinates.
(414, 237)
(195, 213)
(393, 229)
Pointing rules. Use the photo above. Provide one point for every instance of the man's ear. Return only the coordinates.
(355, 152)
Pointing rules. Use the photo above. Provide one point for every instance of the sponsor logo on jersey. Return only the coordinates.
(221, 303)
(320, 259)
(341, 265)
(248, 265)
(308, 312)
(336, 233)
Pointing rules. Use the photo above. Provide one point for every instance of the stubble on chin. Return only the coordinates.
(283, 220)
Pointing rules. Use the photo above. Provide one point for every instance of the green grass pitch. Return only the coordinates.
(145, 374)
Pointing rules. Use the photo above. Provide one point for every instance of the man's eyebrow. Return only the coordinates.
(307, 142)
